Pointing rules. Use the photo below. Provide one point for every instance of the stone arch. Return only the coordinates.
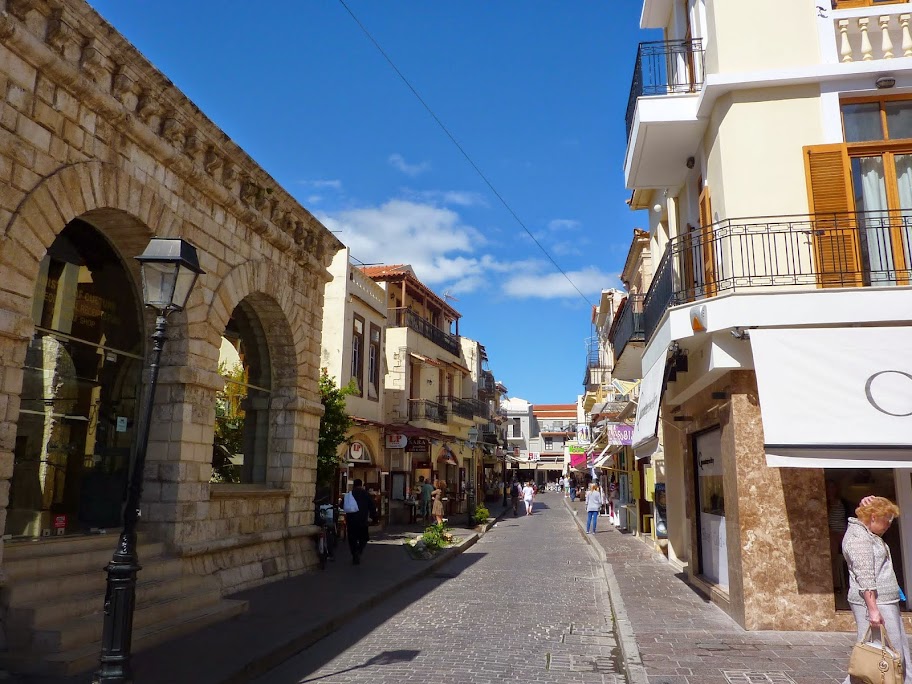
(274, 298)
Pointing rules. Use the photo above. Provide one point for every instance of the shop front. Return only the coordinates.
(80, 391)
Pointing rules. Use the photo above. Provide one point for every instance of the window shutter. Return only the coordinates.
(709, 246)
(836, 249)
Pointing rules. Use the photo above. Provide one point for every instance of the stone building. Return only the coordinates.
(98, 153)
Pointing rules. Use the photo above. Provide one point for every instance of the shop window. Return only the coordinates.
(80, 391)
(242, 407)
(357, 358)
(845, 488)
(373, 364)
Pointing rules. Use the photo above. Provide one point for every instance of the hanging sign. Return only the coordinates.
(418, 444)
(396, 441)
(357, 451)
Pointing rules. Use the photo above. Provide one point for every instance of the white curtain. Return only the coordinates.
(904, 181)
(876, 221)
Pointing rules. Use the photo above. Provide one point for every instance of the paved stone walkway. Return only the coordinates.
(527, 603)
(684, 639)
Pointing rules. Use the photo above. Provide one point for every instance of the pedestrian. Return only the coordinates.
(425, 490)
(437, 506)
(594, 501)
(356, 522)
(873, 590)
(515, 491)
(573, 490)
(613, 496)
(528, 497)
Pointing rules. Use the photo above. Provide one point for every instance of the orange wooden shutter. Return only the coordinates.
(836, 249)
(706, 236)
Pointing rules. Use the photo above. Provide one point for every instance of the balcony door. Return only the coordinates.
(699, 255)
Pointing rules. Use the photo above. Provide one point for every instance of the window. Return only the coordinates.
(357, 359)
(242, 407)
(373, 363)
(549, 444)
(517, 428)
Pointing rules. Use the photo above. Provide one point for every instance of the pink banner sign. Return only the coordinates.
(577, 460)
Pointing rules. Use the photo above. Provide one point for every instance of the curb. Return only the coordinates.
(630, 652)
(282, 652)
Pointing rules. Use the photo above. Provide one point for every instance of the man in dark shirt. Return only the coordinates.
(356, 523)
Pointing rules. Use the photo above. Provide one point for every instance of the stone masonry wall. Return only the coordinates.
(89, 129)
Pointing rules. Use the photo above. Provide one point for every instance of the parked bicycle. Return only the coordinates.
(327, 517)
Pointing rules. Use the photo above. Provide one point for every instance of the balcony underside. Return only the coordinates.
(665, 132)
(627, 365)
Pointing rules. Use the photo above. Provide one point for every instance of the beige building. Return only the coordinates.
(776, 324)
(101, 152)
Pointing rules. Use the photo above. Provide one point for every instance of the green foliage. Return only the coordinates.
(229, 423)
(481, 515)
(436, 536)
(334, 424)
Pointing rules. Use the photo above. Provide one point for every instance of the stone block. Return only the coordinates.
(35, 134)
(47, 116)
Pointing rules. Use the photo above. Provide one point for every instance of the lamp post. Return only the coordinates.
(505, 445)
(169, 270)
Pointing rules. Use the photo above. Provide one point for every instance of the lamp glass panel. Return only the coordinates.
(185, 280)
(159, 280)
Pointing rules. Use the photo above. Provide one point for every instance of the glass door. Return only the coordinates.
(711, 533)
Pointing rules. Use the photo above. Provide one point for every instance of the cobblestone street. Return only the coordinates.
(527, 602)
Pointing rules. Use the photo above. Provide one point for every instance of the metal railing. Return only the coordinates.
(862, 249)
(458, 407)
(665, 67)
(480, 408)
(628, 326)
(486, 383)
(489, 433)
(425, 409)
(404, 317)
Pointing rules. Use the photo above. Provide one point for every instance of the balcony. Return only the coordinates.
(489, 434)
(404, 317)
(661, 114)
(627, 331)
(480, 408)
(425, 409)
(459, 408)
(486, 385)
(865, 34)
(864, 249)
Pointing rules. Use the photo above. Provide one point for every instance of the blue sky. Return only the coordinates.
(534, 90)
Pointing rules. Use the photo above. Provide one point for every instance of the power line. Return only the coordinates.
(459, 147)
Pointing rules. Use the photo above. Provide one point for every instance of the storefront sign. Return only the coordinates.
(396, 441)
(619, 434)
(60, 523)
(357, 451)
(533, 456)
(835, 397)
(577, 460)
(647, 417)
(417, 444)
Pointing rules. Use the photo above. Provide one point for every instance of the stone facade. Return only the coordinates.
(90, 130)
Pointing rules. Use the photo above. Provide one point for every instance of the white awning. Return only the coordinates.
(835, 397)
(647, 418)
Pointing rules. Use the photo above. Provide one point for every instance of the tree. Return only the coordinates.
(229, 423)
(333, 426)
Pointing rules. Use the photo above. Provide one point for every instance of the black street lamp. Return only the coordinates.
(169, 270)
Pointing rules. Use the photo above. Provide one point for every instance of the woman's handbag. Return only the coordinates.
(875, 663)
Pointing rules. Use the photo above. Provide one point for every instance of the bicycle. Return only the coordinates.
(326, 540)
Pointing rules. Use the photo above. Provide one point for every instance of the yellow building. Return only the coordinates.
(770, 144)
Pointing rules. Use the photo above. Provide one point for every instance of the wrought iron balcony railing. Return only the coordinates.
(862, 249)
(425, 409)
(458, 407)
(480, 408)
(665, 67)
(404, 317)
(486, 384)
(628, 324)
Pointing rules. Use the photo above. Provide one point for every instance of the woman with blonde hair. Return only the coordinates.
(437, 497)
(594, 502)
(873, 589)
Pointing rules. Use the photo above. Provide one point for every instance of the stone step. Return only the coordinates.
(85, 658)
(88, 629)
(65, 583)
(29, 563)
(42, 614)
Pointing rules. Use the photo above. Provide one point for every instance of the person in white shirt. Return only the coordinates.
(528, 496)
(594, 503)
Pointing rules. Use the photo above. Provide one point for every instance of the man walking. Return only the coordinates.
(426, 490)
(356, 523)
(515, 491)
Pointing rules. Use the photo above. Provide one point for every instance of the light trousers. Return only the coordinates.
(895, 631)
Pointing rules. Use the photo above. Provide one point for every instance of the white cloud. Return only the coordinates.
(314, 199)
(397, 161)
(323, 184)
(460, 198)
(549, 284)
(556, 225)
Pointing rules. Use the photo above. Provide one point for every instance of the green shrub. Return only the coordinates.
(436, 536)
(481, 515)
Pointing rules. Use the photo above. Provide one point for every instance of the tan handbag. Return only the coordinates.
(876, 663)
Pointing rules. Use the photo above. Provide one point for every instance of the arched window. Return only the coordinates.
(242, 407)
